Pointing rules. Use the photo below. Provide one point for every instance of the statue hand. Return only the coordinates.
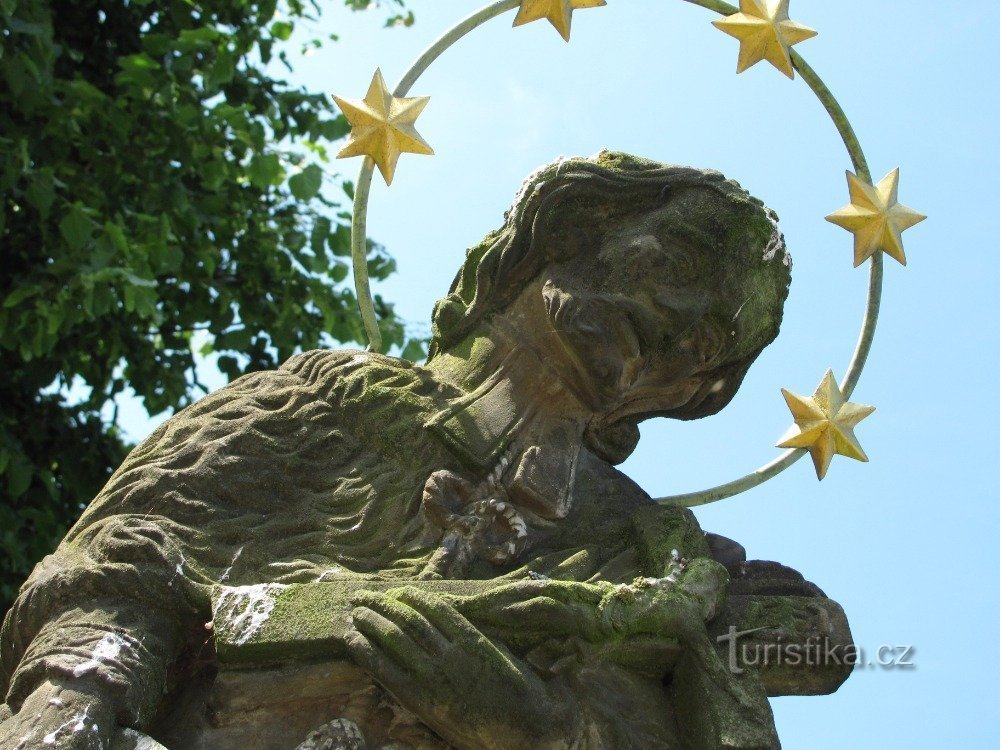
(602, 611)
(469, 689)
(640, 625)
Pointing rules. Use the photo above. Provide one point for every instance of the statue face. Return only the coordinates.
(632, 319)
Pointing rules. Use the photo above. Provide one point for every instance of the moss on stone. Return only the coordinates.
(659, 530)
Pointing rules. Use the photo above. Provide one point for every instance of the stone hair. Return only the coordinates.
(560, 211)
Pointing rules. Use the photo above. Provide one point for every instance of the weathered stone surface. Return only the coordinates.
(663, 532)
(339, 734)
(726, 551)
(488, 567)
(769, 578)
(129, 739)
(266, 694)
(279, 708)
(300, 622)
(798, 645)
(310, 621)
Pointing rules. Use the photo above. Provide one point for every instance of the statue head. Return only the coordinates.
(661, 284)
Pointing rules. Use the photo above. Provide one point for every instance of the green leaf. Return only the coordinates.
(140, 61)
(117, 236)
(76, 227)
(317, 239)
(128, 300)
(202, 36)
(414, 350)
(15, 75)
(19, 473)
(156, 45)
(381, 266)
(41, 192)
(306, 184)
(139, 70)
(229, 365)
(400, 19)
(340, 241)
(145, 301)
(264, 170)
(18, 26)
(169, 259)
(282, 30)
(238, 339)
(101, 300)
(265, 45)
(339, 271)
(87, 91)
(222, 70)
(334, 130)
(19, 294)
(139, 281)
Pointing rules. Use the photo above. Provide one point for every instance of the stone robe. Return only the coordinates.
(311, 472)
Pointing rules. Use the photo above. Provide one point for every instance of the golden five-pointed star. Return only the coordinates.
(558, 12)
(382, 126)
(824, 424)
(876, 217)
(765, 33)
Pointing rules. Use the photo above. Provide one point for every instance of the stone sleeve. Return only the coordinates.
(111, 615)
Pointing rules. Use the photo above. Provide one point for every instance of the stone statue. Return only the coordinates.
(506, 586)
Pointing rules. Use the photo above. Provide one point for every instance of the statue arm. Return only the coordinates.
(90, 643)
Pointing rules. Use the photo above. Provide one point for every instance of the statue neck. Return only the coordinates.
(497, 358)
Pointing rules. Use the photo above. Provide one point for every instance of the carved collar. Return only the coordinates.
(480, 425)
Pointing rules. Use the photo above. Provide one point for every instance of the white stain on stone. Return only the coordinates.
(178, 570)
(147, 743)
(776, 244)
(77, 724)
(107, 649)
(132, 740)
(225, 575)
(330, 573)
(245, 609)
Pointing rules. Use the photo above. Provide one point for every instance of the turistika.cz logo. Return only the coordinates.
(814, 652)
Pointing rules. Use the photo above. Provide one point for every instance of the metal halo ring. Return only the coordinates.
(359, 254)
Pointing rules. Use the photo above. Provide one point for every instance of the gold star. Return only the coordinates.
(824, 424)
(558, 12)
(876, 217)
(765, 33)
(382, 126)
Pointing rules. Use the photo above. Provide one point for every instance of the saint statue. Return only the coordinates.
(616, 290)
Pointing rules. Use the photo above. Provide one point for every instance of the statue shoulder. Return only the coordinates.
(317, 363)
(329, 369)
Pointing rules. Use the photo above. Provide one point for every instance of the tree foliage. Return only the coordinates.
(162, 190)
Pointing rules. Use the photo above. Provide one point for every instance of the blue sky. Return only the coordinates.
(903, 543)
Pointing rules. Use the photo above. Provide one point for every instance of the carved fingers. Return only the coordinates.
(427, 637)
(539, 608)
(441, 667)
(597, 612)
